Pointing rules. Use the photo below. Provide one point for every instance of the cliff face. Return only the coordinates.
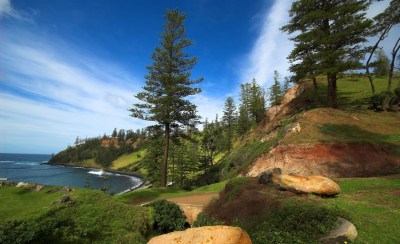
(328, 142)
(337, 159)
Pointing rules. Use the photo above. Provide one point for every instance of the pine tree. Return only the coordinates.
(382, 64)
(331, 33)
(229, 118)
(286, 84)
(243, 121)
(257, 101)
(168, 83)
(275, 91)
(114, 133)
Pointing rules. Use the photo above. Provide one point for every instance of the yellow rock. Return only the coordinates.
(206, 234)
(312, 184)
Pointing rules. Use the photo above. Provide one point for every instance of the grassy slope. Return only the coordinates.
(129, 160)
(19, 203)
(352, 122)
(93, 217)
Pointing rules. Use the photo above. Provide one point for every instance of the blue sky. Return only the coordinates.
(71, 67)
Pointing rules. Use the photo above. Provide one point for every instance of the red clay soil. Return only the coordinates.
(338, 159)
(202, 199)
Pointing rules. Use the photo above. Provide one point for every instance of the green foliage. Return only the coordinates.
(276, 92)
(203, 219)
(330, 34)
(294, 223)
(381, 64)
(152, 160)
(168, 83)
(92, 217)
(168, 216)
(229, 118)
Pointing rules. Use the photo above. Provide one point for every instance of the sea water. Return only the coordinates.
(34, 168)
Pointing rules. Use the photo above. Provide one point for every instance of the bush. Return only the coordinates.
(168, 216)
(203, 219)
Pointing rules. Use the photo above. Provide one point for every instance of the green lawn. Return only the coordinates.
(373, 205)
(16, 203)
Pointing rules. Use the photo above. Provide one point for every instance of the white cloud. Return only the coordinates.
(207, 106)
(271, 47)
(49, 92)
(7, 10)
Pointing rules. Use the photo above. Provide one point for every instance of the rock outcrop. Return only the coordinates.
(318, 185)
(344, 231)
(338, 159)
(206, 234)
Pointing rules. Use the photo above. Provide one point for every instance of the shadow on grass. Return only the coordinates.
(353, 133)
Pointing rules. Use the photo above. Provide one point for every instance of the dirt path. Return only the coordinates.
(201, 199)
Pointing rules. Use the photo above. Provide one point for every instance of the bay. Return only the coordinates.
(34, 168)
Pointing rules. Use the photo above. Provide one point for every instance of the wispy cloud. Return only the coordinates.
(51, 91)
(271, 47)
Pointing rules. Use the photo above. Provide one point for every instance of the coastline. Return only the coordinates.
(112, 171)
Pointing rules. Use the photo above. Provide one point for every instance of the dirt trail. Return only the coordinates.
(201, 199)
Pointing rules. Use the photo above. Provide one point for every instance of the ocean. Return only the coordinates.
(34, 168)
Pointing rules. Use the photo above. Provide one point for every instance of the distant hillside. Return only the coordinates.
(102, 152)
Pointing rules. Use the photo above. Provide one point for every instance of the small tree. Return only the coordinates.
(275, 91)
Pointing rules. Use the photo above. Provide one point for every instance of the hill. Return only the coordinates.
(301, 136)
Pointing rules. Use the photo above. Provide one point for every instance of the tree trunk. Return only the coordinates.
(314, 81)
(381, 38)
(394, 53)
(332, 90)
(165, 159)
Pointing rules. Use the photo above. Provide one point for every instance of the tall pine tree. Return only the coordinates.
(168, 83)
(229, 118)
(331, 33)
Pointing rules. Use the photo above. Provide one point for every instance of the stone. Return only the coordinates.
(207, 234)
(318, 185)
(38, 187)
(25, 185)
(66, 189)
(344, 231)
(266, 176)
(63, 199)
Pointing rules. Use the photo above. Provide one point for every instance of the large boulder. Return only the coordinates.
(318, 185)
(207, 234)
(343, 232)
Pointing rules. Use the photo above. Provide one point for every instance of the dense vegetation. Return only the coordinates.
(100, 150)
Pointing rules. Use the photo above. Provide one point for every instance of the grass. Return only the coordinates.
(273, 216)
(373, 205)
(129, 160)
(17, 203)
(151, 194)
(92, 217)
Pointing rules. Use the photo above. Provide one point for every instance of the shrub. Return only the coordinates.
(204, 219)
(168, 216)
